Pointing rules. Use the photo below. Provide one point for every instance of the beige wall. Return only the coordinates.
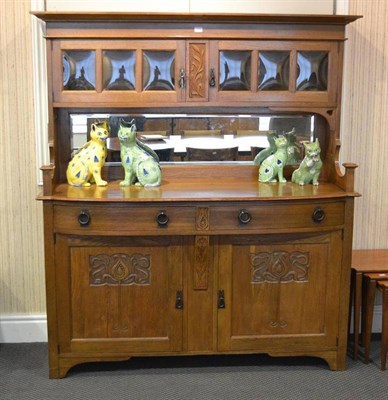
(21, 246)
(365, 132)
(365, 111)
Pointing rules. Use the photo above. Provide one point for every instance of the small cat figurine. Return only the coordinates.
(293, 150)
(85, 166)
(310, 167)
(140, 163)
(265, 153)
(272, 166)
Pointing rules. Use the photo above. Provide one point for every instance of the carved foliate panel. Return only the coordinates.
(280, 266)
(201, 263)
(119, 269)
(197, 71)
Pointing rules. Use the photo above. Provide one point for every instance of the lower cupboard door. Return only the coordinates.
(279, 295)
(119, 295)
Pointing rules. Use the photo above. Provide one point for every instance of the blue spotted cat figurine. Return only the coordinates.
(311, 165)
(272, 167)
(140, 163)
(85, 166)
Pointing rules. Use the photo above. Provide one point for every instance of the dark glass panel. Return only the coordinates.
(274, 70)
(312, 70)
(235, 70)
(119, 70)
(158, 70)
(79, 70)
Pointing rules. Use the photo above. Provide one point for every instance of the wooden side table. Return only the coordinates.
(363, 261)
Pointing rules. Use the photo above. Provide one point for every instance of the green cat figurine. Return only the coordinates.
(293, 150)
(140, 163)
(310, 167)
(273, 165)
(85, 166)
(265, 153)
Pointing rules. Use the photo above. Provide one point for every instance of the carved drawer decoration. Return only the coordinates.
(280, 266)
(119, 269)
(202, 219)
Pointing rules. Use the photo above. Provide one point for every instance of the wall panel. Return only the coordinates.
(364, 127)
(21, 237)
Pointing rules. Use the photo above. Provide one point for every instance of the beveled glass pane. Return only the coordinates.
(118, 70)
(79, 70)
(274, 70)
(158, 70)
(235, 70)
(312, 70)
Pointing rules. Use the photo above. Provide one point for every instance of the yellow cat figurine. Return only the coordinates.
(85, 166)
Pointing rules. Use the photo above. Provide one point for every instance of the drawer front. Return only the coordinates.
(121, 218)
(277, 216)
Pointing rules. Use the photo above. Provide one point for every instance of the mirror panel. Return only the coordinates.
(231, 137)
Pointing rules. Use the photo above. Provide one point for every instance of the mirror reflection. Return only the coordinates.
(210, 138)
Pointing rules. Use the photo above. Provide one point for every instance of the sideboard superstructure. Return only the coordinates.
(210, 262)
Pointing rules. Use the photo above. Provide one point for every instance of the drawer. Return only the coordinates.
(119, 219)
(275, 215)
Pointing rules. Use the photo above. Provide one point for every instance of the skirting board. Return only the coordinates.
(23, 328)
(33, 328)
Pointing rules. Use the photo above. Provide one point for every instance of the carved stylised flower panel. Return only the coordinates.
(280, 266)
(119, 269)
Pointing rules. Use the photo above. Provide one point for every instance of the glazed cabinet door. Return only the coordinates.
(119, 294)
(279, 294)
(272, 72)
(119, 71)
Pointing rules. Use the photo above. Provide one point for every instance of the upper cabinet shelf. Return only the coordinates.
(121, 60)
(181, 71)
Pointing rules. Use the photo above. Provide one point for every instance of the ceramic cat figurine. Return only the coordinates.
(272, 166)
(140, 163)
(293, 150)
(85, 166)
(265, 153)
(310, 167)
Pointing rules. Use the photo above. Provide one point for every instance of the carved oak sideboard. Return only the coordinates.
(212, 261)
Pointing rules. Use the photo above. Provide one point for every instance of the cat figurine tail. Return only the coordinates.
(310, 167)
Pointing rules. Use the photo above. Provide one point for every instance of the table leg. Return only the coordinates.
(384, 329)
(369, 305)
(357, 289)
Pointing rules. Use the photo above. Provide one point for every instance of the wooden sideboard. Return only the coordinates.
(212, 261)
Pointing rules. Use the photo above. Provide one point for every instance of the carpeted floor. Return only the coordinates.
(24, 376)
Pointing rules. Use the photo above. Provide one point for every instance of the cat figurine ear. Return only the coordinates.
(310, 167)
